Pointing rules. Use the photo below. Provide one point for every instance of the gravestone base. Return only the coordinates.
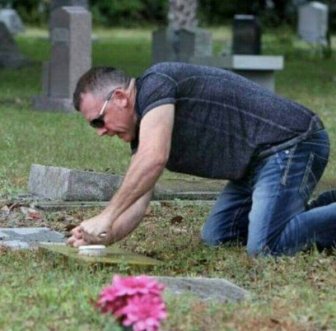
(258, 68)
(45, 103)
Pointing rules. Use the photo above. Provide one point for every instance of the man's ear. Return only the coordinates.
(121, 97)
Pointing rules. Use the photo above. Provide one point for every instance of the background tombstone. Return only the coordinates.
(246, 58)
(182, 39)
(10, 55)
(12, 20)
(70, 58)
(246, 35)
(313, 23)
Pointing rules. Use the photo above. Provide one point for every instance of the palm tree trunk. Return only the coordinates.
(182, 14)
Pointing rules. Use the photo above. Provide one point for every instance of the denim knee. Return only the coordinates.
(210, 237)
(254, 250)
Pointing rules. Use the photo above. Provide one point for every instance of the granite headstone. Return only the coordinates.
(70, 58)
(182, 39)
(246, 35)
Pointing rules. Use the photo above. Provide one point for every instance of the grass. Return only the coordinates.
(47, 292)
(44, 292)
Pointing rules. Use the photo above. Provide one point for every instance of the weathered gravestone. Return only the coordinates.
(10, 55)
(12, 20)
(246, 35)
(217, 289)
(182, 39)
(313, 22)
(70, 58)
(63, 184)
(57, 183)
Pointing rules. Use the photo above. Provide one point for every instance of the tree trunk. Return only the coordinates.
(182, 14)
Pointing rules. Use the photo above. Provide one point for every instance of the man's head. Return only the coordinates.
(106, 97)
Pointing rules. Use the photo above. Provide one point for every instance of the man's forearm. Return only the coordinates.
(140, 178)
(130, 219)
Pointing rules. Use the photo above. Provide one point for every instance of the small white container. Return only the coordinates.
(92, 250)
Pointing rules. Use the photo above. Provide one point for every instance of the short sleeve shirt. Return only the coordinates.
(222, 121)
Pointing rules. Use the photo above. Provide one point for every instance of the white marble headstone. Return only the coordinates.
(313, 22)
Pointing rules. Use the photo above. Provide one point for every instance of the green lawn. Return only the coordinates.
(40, 292)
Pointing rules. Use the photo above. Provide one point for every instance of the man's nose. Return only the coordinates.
(101, 131)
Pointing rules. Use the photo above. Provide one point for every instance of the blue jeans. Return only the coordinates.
(266, 210)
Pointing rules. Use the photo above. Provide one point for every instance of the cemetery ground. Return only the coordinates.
(42, 291)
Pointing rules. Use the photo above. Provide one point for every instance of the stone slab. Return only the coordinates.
(114, 255)
(205, 288)
(25, 238)
(242, 62)
(258, 68)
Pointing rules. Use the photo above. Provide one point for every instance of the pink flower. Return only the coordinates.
(134, 301)
(132, 285)
(144, 313)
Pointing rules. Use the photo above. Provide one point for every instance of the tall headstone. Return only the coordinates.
(12, 20)
(182, 39)
(313, 22)
(10, 55)
(246, 35)
(70, 58)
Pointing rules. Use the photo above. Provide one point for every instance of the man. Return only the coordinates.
(212, 123)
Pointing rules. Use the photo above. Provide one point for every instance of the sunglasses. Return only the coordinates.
(99, 122)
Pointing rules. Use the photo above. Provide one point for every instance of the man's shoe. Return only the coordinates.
(323, 199)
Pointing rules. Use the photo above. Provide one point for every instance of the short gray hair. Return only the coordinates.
(97, 80)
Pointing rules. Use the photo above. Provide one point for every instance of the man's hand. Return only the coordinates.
(96, 230)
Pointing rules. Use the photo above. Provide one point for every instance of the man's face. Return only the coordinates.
(115, 117)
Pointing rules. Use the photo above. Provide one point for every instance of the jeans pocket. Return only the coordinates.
(285, 159)
(313, 172)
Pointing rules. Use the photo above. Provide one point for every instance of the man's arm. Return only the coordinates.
(123, 225)
(145, 168)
